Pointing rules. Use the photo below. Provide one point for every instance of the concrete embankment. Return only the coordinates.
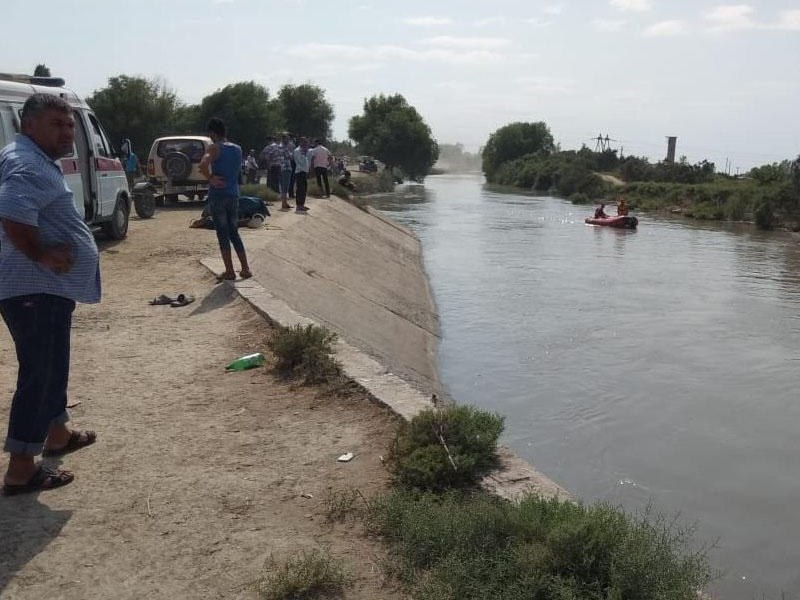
(362, 276)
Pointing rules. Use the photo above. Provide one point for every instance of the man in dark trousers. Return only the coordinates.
(221, 166)
(48, 262)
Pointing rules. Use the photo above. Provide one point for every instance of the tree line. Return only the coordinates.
(525, 155)
(143, 109)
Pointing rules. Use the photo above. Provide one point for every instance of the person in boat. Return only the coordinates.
(622, 208)
(600, 213)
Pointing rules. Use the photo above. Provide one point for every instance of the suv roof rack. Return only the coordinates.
(33, 80)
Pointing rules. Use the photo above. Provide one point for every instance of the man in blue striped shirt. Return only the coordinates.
(48, 262)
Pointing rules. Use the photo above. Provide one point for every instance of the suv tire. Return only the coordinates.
(177, 166)
(144, 203)
(117, 227)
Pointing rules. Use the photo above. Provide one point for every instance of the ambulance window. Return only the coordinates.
(100, 144)
(9, 124)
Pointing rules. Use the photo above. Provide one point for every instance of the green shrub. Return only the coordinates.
(305, 352)
(579, 198)
(473, 546)
(765, 216)
(305, 576)
(440, 449)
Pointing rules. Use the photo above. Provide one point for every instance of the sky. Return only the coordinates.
(723, 78)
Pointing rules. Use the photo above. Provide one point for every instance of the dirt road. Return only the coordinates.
(198, 476)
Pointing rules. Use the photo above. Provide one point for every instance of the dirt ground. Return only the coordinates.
(198, 476)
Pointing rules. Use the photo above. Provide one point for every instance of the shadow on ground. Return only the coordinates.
(222, 295)
(27, 527)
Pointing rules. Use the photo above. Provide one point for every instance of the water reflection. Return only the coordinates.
(632, 365)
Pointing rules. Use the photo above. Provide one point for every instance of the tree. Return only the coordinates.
(246, 109)
(393, 131)
(514, 141)
(41, 70)
(305, 111)
(136, 108)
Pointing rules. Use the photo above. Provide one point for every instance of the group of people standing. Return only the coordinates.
(288, 164)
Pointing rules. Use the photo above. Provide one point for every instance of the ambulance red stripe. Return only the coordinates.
(107, 164)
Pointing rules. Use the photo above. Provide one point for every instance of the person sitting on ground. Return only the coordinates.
(622, 208)
(600, 213)
(346, 182)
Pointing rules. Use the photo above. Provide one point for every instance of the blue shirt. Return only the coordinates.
(227, 165)
(33, 192)
(131, 163)
(301, 160)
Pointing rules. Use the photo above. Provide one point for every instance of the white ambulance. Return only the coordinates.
(93, 172)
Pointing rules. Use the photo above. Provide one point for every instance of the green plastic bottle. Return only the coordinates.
(247, 362)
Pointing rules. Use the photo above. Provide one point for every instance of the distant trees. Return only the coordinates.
(136, 108)
(305, 111)
(41, 70)
(634, 168)
(514, 141)
(143, 109)
(246, 109)
(393, 131)
(454, 157)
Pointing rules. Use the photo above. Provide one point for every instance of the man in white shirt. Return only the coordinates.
(321, 159)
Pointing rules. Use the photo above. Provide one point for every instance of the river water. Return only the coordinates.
(652, 366)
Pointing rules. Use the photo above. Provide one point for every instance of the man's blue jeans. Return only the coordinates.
(40, 327)
(224, 211)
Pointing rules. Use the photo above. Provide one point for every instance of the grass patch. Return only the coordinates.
(307, 575)
(339, 504)
(305, 352)
(259, 190)
(472, 546)
(445, 448)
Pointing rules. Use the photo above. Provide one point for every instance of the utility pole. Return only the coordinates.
(602, 144)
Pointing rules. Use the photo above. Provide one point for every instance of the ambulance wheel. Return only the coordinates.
(117, 227)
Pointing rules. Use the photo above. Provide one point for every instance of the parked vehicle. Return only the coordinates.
(93, 172)
(173, 169)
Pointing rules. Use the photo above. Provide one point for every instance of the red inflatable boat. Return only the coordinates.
(620, 222)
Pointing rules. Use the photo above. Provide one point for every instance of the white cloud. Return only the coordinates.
(456, 53)
(491, 21)
(608, 24)
(790, 19)
(665, 28)
(543, 86)
(631, 5)
(731, 17)
(554, 9)
(427, 21)
(466, 43)
(537, 22)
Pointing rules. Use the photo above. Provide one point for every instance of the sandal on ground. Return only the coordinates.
(245, 274)
(226, 277)
(182, 300)
(42, 480)
(162, 299)
(77, 440)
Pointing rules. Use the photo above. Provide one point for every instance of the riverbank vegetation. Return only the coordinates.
(768, 195)
(452, 541)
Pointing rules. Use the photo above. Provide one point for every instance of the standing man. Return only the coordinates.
(48, 262)
(251, 167)
(287, 167)
(321, 159)
(221, 166)
(130, 162)
(301, 160)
